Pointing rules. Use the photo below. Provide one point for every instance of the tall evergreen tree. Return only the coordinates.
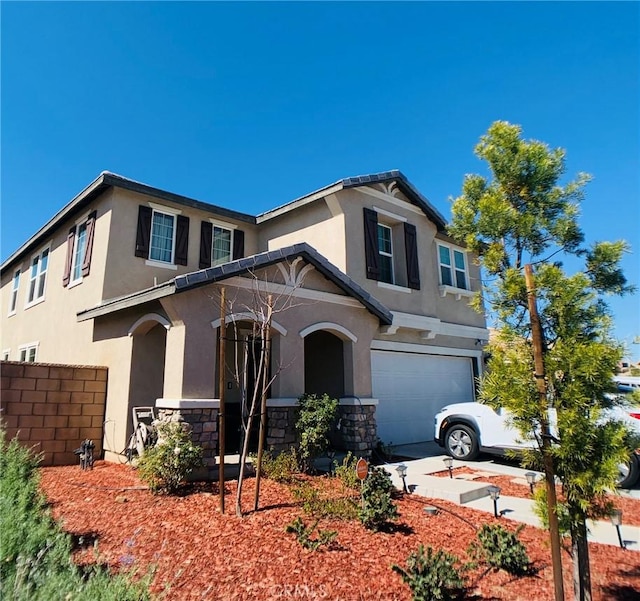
(523, 218)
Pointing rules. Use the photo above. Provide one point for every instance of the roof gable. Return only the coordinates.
(409, 191)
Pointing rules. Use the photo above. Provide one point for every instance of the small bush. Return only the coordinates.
(281, 467)
(304, 532)
(378, 507)
(316, 417)
(346, 471)
(165, 466)
(433, 576)
(341, 508)
(501, 549)
(35, 553)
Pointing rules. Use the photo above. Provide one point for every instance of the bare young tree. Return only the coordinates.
(250, 364)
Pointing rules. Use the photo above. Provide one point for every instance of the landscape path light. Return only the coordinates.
(402, 472)
(616, 520)
(494, 493)
(448, 462)
(531, 479)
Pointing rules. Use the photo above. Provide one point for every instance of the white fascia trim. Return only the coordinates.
(389, 214)
(223, 224)
(352, 401)
(434, 326)
(188, 403)
(394, 287)
(149, 317)
(398, 202)
(164, 209)
(327, 325)
(161, 264)
(247, 316)
(306, 293)
(457, 292)
(422, 349)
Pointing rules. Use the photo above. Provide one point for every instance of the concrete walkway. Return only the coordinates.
(475, 494)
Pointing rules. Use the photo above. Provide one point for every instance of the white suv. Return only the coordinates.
(466, 429)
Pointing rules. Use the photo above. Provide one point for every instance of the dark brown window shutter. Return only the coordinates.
(182, 240)
(206, 240)
(66, 277)
(238, 244)
(371, 244)
(91, 228)
(143, 235)
(411, 251)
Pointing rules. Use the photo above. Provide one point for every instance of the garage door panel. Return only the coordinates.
(412, 387)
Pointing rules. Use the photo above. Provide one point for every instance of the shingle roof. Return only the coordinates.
(261, 260)
(404, 184)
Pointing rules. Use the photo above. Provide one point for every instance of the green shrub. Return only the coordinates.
(378, 507)
(35, 553)
(281, 467)
(433, 576)
(316, 417)
(165, 466)
(304, 532)
(501, 549)
(346, 471)
(341, 508)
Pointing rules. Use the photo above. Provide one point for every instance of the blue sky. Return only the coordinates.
(249, 105)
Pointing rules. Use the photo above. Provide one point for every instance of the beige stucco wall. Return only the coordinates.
(126, 273)
(52, 322)
(334, 226)
(320, 224)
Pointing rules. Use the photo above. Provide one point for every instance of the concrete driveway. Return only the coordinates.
(490, 463)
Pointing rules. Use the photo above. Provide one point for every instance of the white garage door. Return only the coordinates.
(412, 387)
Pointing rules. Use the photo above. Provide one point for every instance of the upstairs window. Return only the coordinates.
(221, 251)
(453, 271)
(79, 249)
(14, 292)
(391, 249)
(38, 277)
(162, 236)
(219, 243)
(28, 353)
(385, 249)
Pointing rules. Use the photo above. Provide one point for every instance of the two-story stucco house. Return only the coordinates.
(128, 276)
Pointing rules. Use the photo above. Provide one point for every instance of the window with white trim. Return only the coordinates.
(28, 352)
(79, 250)
(6, 353)
(221, 245)
(14, 292)
(163, 237)
(453, 267)
(38, 277)
(385, 249)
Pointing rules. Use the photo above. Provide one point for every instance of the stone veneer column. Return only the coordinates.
(357, 420)
(202, 416)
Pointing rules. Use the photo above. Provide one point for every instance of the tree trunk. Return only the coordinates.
(580, 556)
(537, 337)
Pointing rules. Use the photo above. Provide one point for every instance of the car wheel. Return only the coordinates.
(628, 472)
(461, 442)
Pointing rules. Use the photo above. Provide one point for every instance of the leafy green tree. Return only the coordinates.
(522, 220)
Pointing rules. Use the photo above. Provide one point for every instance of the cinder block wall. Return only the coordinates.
(53, 408)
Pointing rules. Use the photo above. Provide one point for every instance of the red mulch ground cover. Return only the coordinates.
(198, 553)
